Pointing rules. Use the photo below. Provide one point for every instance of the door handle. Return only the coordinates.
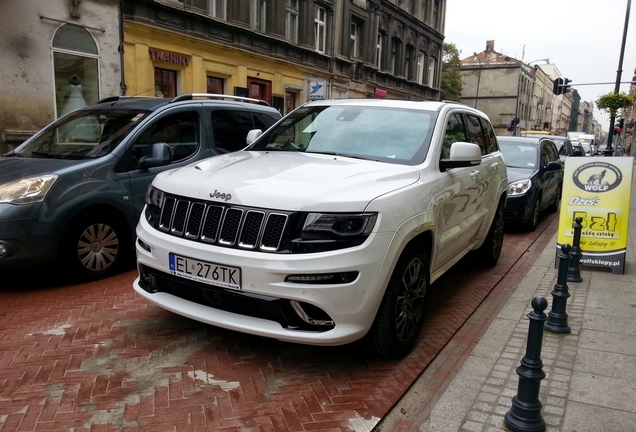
(474, 173)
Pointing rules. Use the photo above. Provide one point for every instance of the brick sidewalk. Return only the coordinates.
(94, 357)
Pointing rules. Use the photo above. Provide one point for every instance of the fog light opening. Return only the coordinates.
(144, 246)
(3, 250)
(305, 317)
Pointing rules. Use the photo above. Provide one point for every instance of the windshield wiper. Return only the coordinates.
(39, 153)
(330, 153)
(12, 153)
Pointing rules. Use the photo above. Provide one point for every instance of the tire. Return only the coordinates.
(95, 246)
(554, 207)
(488, 254)
(400, 317)
(532, 223)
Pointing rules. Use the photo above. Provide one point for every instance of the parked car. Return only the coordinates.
(72, 194)
(564, 145)
(330, 227)
(535, 175)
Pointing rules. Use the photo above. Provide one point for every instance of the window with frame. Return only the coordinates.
(75, 66)
(214, 8)
(395, 55)
(215, 85)
(320, 29)
(165, 83)
(291, 21)
(378, 51)
(218, 8)
(258, 15)
(421, 60)
(354, 39)
(431, 72)
(408, 65)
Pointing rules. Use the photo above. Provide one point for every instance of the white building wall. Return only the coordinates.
(27, 27)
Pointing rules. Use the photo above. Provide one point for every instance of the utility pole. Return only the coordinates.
(609, 151)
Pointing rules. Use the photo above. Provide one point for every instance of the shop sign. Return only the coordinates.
(598, 190)
(169, 57)
(317, 89)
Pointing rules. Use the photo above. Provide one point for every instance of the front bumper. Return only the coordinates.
(518, 208)
(26, 241)
(267, 305)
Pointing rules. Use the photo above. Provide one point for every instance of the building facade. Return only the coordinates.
(62, 54)
(286, 52)
(58, 55)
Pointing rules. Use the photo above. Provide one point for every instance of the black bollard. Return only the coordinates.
(557, 317)
(574, 271)
(525, 414)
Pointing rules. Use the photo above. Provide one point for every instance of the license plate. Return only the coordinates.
(205, 272)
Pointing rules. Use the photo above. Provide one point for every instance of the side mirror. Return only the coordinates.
(462, 154)
(161, 155)
(553, 166)
(252, 135)
(577, 153)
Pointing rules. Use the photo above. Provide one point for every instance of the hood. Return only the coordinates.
(291, 181)
(515, 174)
(14, 168)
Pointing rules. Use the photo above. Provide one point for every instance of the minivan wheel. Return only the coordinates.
(95, 247)
(400, 317)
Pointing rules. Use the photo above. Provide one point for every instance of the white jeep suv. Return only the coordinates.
(330, 226)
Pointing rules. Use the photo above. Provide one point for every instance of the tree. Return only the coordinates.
(452, 83)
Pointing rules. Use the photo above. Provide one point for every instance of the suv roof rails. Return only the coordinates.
(190, 96)
(121, 98)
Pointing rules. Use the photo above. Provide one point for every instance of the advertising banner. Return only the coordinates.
(598, 190)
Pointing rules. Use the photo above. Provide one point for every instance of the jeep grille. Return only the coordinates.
(223, 225)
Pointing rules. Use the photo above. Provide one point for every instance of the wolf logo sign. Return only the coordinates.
(597, 190)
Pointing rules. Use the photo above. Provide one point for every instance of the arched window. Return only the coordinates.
(76, 70)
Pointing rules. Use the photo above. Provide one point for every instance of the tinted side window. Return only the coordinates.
(491, 138)
(263, 121)
(548, 153)
(230, 129)
(475, 133)
(180, 131)
(455, 131)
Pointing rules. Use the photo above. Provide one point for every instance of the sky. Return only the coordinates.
(582, 38)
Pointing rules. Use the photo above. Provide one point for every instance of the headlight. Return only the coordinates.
(154, 197)
(338, 226)
(519, 187)
(27, 190)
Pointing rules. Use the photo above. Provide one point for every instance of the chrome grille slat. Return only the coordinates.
(223, 225)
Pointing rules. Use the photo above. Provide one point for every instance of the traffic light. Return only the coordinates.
(561, 86)
(513, 123)
(557, 87)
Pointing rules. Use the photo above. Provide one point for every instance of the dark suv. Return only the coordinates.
(72, 194)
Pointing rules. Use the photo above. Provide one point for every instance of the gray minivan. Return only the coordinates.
(71, 195)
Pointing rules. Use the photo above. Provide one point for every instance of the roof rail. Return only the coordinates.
(110, 99)
(190, 96)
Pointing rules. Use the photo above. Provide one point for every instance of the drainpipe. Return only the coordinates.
(122, 80)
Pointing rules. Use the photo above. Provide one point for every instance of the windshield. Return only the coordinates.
(519, 155)
(84, 134)
(586, 144)
(393, 135)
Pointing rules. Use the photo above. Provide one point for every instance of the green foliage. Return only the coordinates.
(452, 83)
(612, 102)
